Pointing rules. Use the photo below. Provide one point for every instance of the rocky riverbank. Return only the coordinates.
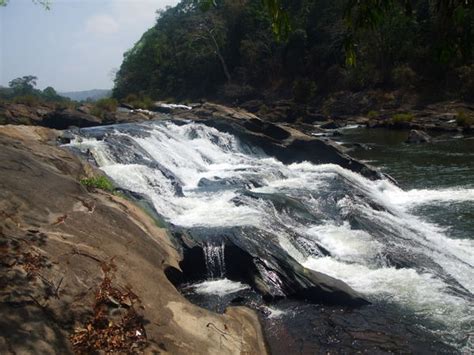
(370, 109)
(83, 270)
(86, 269)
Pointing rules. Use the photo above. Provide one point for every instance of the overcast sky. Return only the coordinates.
(74, 46)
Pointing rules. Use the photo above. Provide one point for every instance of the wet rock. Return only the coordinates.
(252, 257)
(416, 137)
(331, 125)
(64, 119)
(253, 106)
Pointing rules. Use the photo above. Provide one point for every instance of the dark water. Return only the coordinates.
(447, 165)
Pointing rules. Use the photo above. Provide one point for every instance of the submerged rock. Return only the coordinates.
(416, 137)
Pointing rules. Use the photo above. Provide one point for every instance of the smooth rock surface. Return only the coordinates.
(58, 243)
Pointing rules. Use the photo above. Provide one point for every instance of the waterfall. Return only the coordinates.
(327, 218)
(214, 258)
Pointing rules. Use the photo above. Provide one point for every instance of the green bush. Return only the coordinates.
(404, 76)
(29, 100)
(373, 114)
(139, 101)
(465, 119)
(303, 90)
(98, 182)
(107, 104)
(402, 118)
(103, 106)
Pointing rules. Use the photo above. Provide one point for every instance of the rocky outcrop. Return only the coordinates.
(86, 267)
(416, 137)
(255, 258)
(63, 119)
(23, 114)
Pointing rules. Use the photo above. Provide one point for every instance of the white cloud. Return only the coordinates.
(101, 25)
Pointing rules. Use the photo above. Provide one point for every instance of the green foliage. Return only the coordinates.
(98, 182)
(107, 104)
(139, 101)
(396, 44)
(465, 119)
(22, 91)
(103, 106)
(29, 100)
(303, 90)
(24, 85)
(373, 114)
(402, 118)
(404, 76)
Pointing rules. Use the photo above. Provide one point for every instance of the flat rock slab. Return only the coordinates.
(59, 242)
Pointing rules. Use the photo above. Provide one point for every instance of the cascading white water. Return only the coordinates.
(375, 243)
(215, 262)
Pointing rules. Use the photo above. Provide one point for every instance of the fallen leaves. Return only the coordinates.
(115, 325)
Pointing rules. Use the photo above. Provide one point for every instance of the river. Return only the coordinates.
(408, 249)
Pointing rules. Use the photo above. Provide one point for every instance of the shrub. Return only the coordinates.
(98, 182)
(139, 101)
(465, 119)
(102, 106)
(107, 104)
(303, 90)
(466, 81)
(29, 100)
(402, 118)
(404, 76)
(373, 114)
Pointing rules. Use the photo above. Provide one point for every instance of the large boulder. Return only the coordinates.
(63, 119)
(255, 258)
(21, 114)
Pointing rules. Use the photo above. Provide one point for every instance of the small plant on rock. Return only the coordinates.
(98, 182)
(465, 119)
(373, 114)
(401, 118)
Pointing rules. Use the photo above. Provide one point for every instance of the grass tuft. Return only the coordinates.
(98, 182)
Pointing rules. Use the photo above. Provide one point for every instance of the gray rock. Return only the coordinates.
(416, 137)
(64, 119)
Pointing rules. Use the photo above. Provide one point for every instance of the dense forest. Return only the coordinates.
(230, 52)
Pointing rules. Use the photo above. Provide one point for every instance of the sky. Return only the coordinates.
(74, 46)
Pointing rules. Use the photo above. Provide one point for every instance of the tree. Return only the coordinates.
(45, 3)
(24, 85)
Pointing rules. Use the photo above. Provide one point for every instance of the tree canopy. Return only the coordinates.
(231, 49)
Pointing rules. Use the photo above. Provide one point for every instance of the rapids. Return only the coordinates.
(329, 219)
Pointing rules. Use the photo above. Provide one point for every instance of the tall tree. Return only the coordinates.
(24, 85)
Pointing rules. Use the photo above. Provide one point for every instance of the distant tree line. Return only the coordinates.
(23, 90)
(321, 46)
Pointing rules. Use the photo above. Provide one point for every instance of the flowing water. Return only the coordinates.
(410, 247)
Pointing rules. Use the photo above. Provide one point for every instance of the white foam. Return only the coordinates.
(274, 313)
(193, 152)
(422, 293)
(417, 197)
(220, 287)
(345, 243)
